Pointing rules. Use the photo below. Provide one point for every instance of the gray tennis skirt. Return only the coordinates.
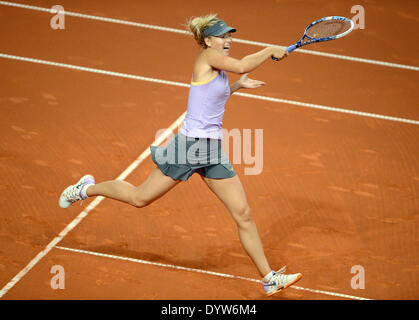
(183, 156)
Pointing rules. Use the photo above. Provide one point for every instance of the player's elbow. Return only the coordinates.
(241, 71)
(241, 68)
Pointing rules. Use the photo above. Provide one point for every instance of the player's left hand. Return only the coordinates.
(247, 83)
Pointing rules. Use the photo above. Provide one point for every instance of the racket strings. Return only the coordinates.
(328, 28)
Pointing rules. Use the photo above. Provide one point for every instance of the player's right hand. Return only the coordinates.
(279, 53)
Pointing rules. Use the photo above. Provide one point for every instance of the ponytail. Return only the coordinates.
(197, 25)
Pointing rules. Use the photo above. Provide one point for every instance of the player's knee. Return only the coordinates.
(138, 201)
(243, 215)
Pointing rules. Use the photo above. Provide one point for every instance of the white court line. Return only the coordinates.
(89, 208)
(180, 84)
(218, 274)
(179, 31)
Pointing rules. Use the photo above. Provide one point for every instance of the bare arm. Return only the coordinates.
(234, 87)
(220, 61)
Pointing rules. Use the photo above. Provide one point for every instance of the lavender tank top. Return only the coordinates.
(206, 105)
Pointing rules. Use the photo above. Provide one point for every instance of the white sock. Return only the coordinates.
(268, 277)
(83, 192)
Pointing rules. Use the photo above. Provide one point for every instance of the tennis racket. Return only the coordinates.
(324, 29)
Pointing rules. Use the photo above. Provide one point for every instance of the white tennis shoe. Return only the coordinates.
(76, 191)
(280, 281)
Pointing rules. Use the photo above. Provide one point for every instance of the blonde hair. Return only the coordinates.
(197, 25)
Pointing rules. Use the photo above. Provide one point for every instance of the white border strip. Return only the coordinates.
(89, 208)
(255, 43)
(218, 274)
(180, 84)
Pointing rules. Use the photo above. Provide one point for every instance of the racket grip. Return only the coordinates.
(292, 48)
(289, 49)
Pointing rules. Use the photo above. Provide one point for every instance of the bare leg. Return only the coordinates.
(154, 187)
(230, 191)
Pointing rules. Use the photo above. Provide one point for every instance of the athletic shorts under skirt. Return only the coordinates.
(183, 156)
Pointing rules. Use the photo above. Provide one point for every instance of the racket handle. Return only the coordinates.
(289, 49)
(292, 48)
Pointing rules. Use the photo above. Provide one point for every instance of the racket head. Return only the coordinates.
(329, 28)
(324, 29)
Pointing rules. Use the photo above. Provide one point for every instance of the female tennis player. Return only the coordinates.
(197, 146)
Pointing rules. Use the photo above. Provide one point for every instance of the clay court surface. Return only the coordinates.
(337, 189)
